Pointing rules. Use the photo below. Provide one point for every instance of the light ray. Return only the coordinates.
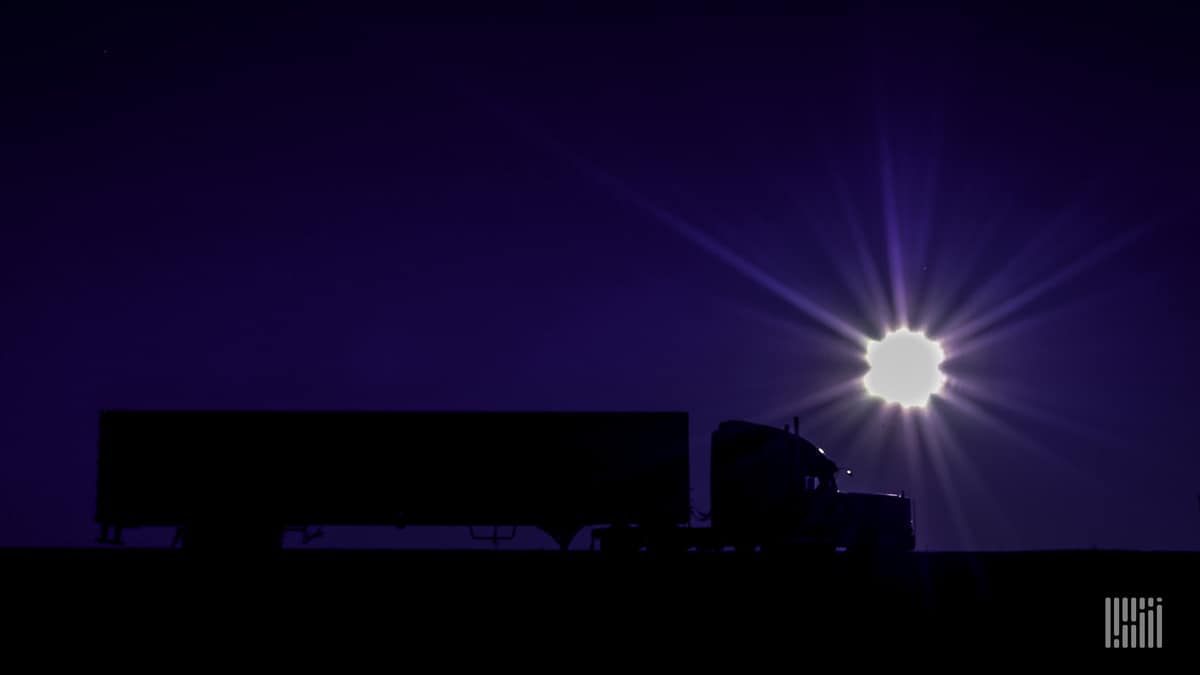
(736, 262)
(946, 444)
(1016, 327)
(815, 400)
(866, 260)
(864, 304)
(681, 226)
(975, 388)
(830, 345)
(1000, 279)
(1023, 298)
(892, 231)
(832, 409)
(1020, 441)
(849, 435)
(951, 288)
(937, 458)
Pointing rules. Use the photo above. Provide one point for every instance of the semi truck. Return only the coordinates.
(238, 480)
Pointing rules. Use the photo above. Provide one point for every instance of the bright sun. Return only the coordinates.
(905, 368)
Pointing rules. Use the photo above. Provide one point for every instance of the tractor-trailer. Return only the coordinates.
(239, 479)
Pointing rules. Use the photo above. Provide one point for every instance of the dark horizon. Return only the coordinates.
(633, 212)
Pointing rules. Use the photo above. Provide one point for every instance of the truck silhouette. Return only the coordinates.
(238, 480)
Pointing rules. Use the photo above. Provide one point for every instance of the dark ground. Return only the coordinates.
(1011, 603)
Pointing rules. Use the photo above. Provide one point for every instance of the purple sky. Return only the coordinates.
(207, 211)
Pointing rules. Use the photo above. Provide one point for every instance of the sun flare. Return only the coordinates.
(905, 368)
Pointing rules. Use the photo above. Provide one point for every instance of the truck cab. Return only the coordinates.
(774, 489)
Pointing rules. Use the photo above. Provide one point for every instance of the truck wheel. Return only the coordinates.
(745, 547)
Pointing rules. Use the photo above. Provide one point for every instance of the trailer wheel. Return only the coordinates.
(665, 540)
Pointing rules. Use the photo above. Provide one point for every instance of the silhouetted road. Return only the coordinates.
(921, 600)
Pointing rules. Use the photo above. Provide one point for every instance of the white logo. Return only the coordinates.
(1133, 622)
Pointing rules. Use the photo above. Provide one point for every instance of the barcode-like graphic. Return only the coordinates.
(1133, 622)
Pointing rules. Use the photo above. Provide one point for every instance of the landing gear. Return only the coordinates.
(110, 535)
(562, 533)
